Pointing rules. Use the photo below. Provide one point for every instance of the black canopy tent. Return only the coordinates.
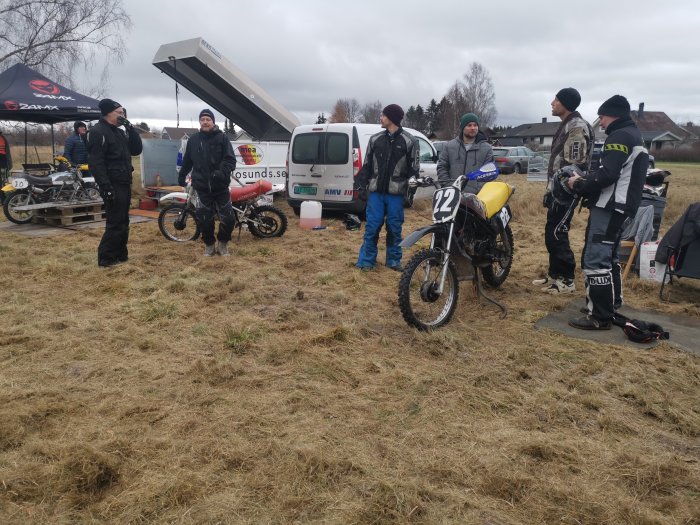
(28, 96)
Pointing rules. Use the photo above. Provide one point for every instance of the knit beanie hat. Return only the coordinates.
(394, 113)
(207, 112)
(79, 125)
(569, 97)
(615, 106)
(466, 119)
(107, 105)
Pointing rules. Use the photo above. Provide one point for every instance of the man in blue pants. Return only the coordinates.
(392, 158)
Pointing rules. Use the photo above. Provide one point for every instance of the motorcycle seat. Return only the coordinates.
(494, 195)
(250, 190)
(38, 180)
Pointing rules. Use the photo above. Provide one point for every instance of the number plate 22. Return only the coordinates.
(445, 204)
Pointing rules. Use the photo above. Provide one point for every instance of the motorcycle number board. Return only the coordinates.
(20, 183)
(445, 203)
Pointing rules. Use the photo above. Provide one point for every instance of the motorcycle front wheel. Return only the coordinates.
(267, 221)
(421, 304)
(14, 200)
(178, 223)
(496, 274)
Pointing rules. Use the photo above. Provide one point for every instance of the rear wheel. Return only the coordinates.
(421, 303)
(16, 199)
(497, 273)
(267, 221)
(516, 168)
(178, 223)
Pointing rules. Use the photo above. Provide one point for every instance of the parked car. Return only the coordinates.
(598, 146)
(517, 159)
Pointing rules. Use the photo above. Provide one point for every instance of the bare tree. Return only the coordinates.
(370, 112)
(474, 95)
(478, 94)
(346, 110)
(55, 36)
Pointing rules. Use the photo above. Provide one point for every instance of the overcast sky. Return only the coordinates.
(308, 53)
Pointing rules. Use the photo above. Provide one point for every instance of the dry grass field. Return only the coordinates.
(282, 386)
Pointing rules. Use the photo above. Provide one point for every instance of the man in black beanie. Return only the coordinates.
(109, 155)
(209, 156)
(392, 158)
(613, 193)
(571, 146)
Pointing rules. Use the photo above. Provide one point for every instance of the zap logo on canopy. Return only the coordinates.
(11, 105)
(44, 86)
(248, 154)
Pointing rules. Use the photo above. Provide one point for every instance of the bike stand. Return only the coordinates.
(480, 293)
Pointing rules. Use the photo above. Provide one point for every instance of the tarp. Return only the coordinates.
(28, 96)
(199, 67)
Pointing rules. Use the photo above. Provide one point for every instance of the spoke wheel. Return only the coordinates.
(178, 223)
(421, 304)
(267, 221)
(15, 199)
(497, 273)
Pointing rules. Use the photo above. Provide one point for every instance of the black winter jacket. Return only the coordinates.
(617, 184)
(209, 156)
(109, 153)
(389, 163)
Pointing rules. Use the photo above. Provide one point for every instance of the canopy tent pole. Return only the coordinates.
(177, 90)
(25, 143)
(53, 144)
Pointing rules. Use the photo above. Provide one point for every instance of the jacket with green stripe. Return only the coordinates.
(617, 185)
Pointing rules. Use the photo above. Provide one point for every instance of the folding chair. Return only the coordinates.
(637, 231)
(682, 262)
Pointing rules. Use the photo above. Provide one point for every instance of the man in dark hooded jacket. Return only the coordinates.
(109, 155)
(209, 156)
(613, 193)
(465, 153)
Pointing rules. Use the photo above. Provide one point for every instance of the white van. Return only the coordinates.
(324, 160)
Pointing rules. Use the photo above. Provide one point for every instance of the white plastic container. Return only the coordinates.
(310, 215)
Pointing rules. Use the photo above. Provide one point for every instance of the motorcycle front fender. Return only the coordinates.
(7, 188)
(415, 236)
(178, 196)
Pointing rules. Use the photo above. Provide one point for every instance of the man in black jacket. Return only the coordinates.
(613, 193)
(392, 158)
(109, 155)
(209, 156)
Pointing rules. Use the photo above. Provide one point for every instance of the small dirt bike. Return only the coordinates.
(178, 222)
(72, 186)
(470, 237)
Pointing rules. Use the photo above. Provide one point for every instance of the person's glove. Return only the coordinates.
(547, 199)
(107, 195)
(122, 121)
(412, 182)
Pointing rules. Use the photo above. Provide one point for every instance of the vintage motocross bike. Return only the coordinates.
(178, 222)
(71, 186)
(470, 238)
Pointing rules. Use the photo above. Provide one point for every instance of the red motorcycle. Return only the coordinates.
(178, 222)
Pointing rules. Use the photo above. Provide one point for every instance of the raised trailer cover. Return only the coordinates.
(207, 74)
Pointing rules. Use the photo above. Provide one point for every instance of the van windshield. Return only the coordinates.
(320, 148)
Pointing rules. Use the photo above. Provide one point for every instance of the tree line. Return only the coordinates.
(474, 93)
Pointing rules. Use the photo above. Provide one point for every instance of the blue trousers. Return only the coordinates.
(381, 206)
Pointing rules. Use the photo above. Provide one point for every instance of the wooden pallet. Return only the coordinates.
(69, 215)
